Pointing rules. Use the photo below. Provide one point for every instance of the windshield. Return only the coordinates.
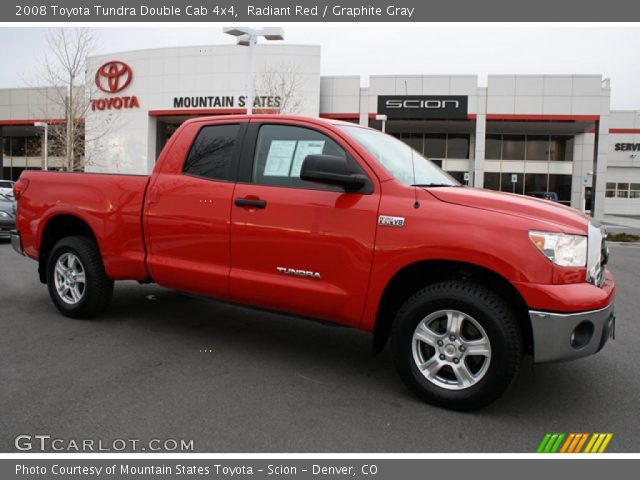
(399, 159)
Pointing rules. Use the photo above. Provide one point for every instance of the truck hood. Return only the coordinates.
(566, 219)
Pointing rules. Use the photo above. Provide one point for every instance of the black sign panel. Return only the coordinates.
(423, 106)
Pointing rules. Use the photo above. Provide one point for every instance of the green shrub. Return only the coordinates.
(623, 237)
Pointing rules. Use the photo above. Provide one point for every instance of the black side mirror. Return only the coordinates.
(331, 170)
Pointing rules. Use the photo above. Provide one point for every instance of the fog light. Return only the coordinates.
(581, 335)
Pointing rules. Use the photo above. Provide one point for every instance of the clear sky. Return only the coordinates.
(613, 52)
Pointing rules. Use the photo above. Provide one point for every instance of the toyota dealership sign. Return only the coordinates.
(112, 78)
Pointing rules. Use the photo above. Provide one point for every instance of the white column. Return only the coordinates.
(479, 140)
(603, 149)
(478, 155)
(364, 106)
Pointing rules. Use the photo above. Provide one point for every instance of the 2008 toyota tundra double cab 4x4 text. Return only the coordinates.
(338, 222)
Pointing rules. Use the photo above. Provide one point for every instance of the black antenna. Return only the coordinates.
(416, 204)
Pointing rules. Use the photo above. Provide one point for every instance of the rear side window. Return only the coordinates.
(212, 153)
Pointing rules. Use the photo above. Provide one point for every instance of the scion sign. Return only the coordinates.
(423, 106)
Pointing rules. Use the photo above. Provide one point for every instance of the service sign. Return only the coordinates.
(450, 107)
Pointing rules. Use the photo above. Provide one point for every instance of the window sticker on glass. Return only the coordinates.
(279, 158)
(304, 148)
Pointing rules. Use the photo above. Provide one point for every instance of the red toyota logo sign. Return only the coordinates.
(113, 77)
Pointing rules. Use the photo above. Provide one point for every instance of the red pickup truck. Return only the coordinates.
(333, 221)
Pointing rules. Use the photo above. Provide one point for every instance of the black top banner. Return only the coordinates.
(283, 11)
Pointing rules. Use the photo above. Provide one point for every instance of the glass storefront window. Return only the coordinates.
(414, 140)
(529, 147)
(493, 147)
(6, 146)
(459, 176)
(458, 146)
(17, 146)
(513, 147)
(492, 180)
(506, 185)
(33, 147)
(561, 184)
(435, 145)
(537, 147)
(56, 146)
(535, 182)
(561, 148)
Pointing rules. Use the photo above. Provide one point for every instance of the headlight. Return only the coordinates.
(561, 249)
(4, 215)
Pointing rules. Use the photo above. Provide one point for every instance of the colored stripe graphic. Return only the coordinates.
(550, 443)
(598, 443)
(553, 443)
(574, 442)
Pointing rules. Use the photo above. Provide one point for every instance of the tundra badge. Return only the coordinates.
(299, 273)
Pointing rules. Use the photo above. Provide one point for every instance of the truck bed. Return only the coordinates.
(110, 204)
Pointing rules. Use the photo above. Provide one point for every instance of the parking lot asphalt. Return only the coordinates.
(163, 365)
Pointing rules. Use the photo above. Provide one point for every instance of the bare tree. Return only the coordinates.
(69, 92)
(64, 70)
(283, 81)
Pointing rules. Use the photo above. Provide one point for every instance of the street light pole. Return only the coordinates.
(383, 119)
(248, 37)
(45, 125)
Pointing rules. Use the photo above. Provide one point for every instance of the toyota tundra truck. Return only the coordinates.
(337, 222)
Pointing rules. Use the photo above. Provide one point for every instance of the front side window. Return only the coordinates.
(211, 155)
(281, 149)
(400, 160)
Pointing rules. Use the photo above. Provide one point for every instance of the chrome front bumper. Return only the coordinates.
(16, 242)
(558, 336)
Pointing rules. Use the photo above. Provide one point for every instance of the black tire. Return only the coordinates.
(97, 290)
(480, 306)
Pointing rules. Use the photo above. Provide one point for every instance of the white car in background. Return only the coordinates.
(6, 188)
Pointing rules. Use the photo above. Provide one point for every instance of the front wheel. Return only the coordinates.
(457, 345)
(76, 278)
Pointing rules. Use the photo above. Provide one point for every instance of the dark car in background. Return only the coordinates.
(552, 196)
(7, 215)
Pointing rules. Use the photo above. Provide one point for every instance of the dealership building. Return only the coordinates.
(526, 134)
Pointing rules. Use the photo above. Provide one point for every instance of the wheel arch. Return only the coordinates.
(418, 275)
(56, 228)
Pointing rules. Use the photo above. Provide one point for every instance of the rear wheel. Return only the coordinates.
(76, 278)
(457, 345)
